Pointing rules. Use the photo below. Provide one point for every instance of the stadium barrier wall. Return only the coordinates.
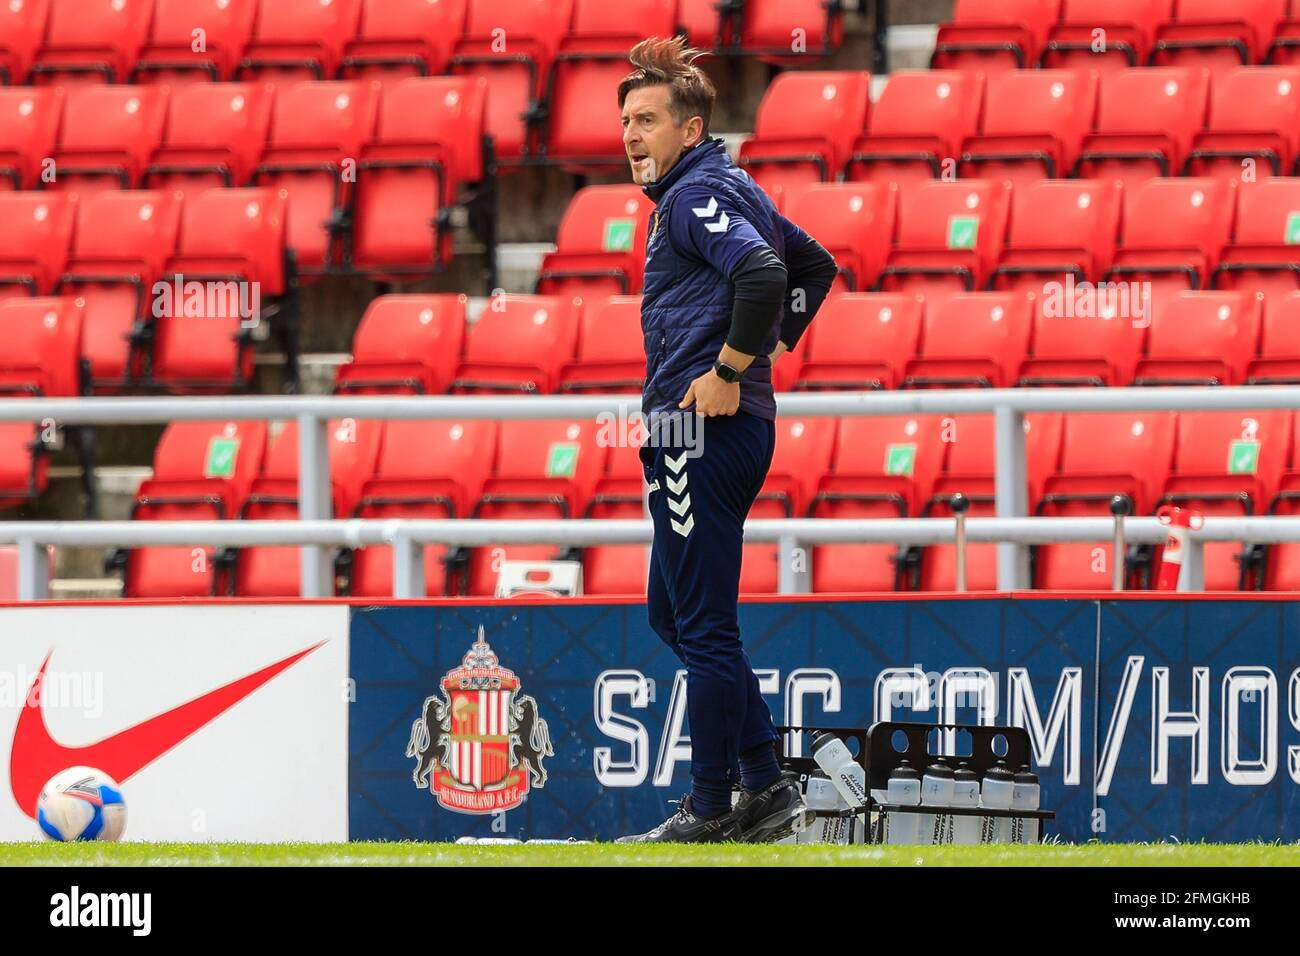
(1152, 719)
(223, 723)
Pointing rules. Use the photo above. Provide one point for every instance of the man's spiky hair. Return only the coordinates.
(671, 63)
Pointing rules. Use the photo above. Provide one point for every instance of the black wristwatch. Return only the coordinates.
(728, 374)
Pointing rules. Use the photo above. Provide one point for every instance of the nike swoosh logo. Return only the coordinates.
(36, 756)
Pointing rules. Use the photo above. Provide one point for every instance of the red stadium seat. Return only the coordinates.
(1202, 338)
(398, 39)
(34, 242)
(92, 41)
(202, 471)
(950, 235)
(705, 27)
(1102, 455)
(1174, 231)
(29, 126)
(22, 28)
(861, 341)
(804, 447)
(969, 470)
(299, 39)
(1282, 567)
(215, 135)
(1261, 256)
(582, 124)
(918, 126)
(316, 135)
(1279, 347)
(1254, 118)
(123, 241)
(170, 56)
(109, 132)
(854, 221)
(1127, 31)
(545, 469)
(1034, 123)
(618, 568)
(1229, 463)
(1094, 337)
(1206, 34)
(405, 344)
(232, 240)
(24, 459)
(425, 470)
(1285, 49)
(1146, 119)
(989, 35)
(805, 129)
(784, 30)
(353, 452)
(611, 348)
(884, 467)
(974, 339)
(600, 246)
(511, 43)
(40, 354)
(428, 143)
(519, 344)
(1059, 228)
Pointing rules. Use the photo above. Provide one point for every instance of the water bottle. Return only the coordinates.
(995, 794)
(904, 790)
(1025, 796)
(822, 795)
(845, 772)
(966, 794)
(936, 791)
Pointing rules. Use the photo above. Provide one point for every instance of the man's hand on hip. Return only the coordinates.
(712, 396)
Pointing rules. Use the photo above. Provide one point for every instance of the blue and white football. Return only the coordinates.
(81, 803)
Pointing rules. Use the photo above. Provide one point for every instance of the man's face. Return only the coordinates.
(651, 137)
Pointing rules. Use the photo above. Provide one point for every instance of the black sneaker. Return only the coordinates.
(685, 827)
(773, 813)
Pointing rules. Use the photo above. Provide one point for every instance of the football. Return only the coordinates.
(81, 803)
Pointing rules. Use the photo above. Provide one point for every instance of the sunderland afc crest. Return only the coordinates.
(480, 743)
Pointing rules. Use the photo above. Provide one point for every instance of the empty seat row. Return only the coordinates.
(1027, 125)
(1177, 233)
(554, 65)
(371, 173)
(171, 290)
(989, 35)
(855, 468)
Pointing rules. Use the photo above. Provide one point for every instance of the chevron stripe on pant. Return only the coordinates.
(698, 509)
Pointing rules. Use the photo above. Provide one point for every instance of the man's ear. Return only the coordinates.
(694, 131)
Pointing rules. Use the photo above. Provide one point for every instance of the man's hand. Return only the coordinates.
(712, 396)
(778, 351)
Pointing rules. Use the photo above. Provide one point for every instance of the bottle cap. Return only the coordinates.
(823, 739)
(1000, 772)
(964, 772)
(904, 771)
(1026, 776)
(939, 769)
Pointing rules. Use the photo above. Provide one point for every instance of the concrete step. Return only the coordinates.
(85, 589)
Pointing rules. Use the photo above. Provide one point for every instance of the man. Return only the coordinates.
(729, 286)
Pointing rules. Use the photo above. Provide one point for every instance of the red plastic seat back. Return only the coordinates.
(170, 57)
(92, 41)
(41, 346)
(854, 221)
(29, 126)
(35, 240)
(209, 125)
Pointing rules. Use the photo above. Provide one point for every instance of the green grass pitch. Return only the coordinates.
(445, 854)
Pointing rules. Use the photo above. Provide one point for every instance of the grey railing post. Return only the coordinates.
(792, 572)
(314, 503)
(1119, 507)
(960, 504)
(1192, 576)
(1011, 493)
(33, 570)
(408, 567)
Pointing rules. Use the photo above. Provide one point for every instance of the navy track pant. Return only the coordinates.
(698, 506)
